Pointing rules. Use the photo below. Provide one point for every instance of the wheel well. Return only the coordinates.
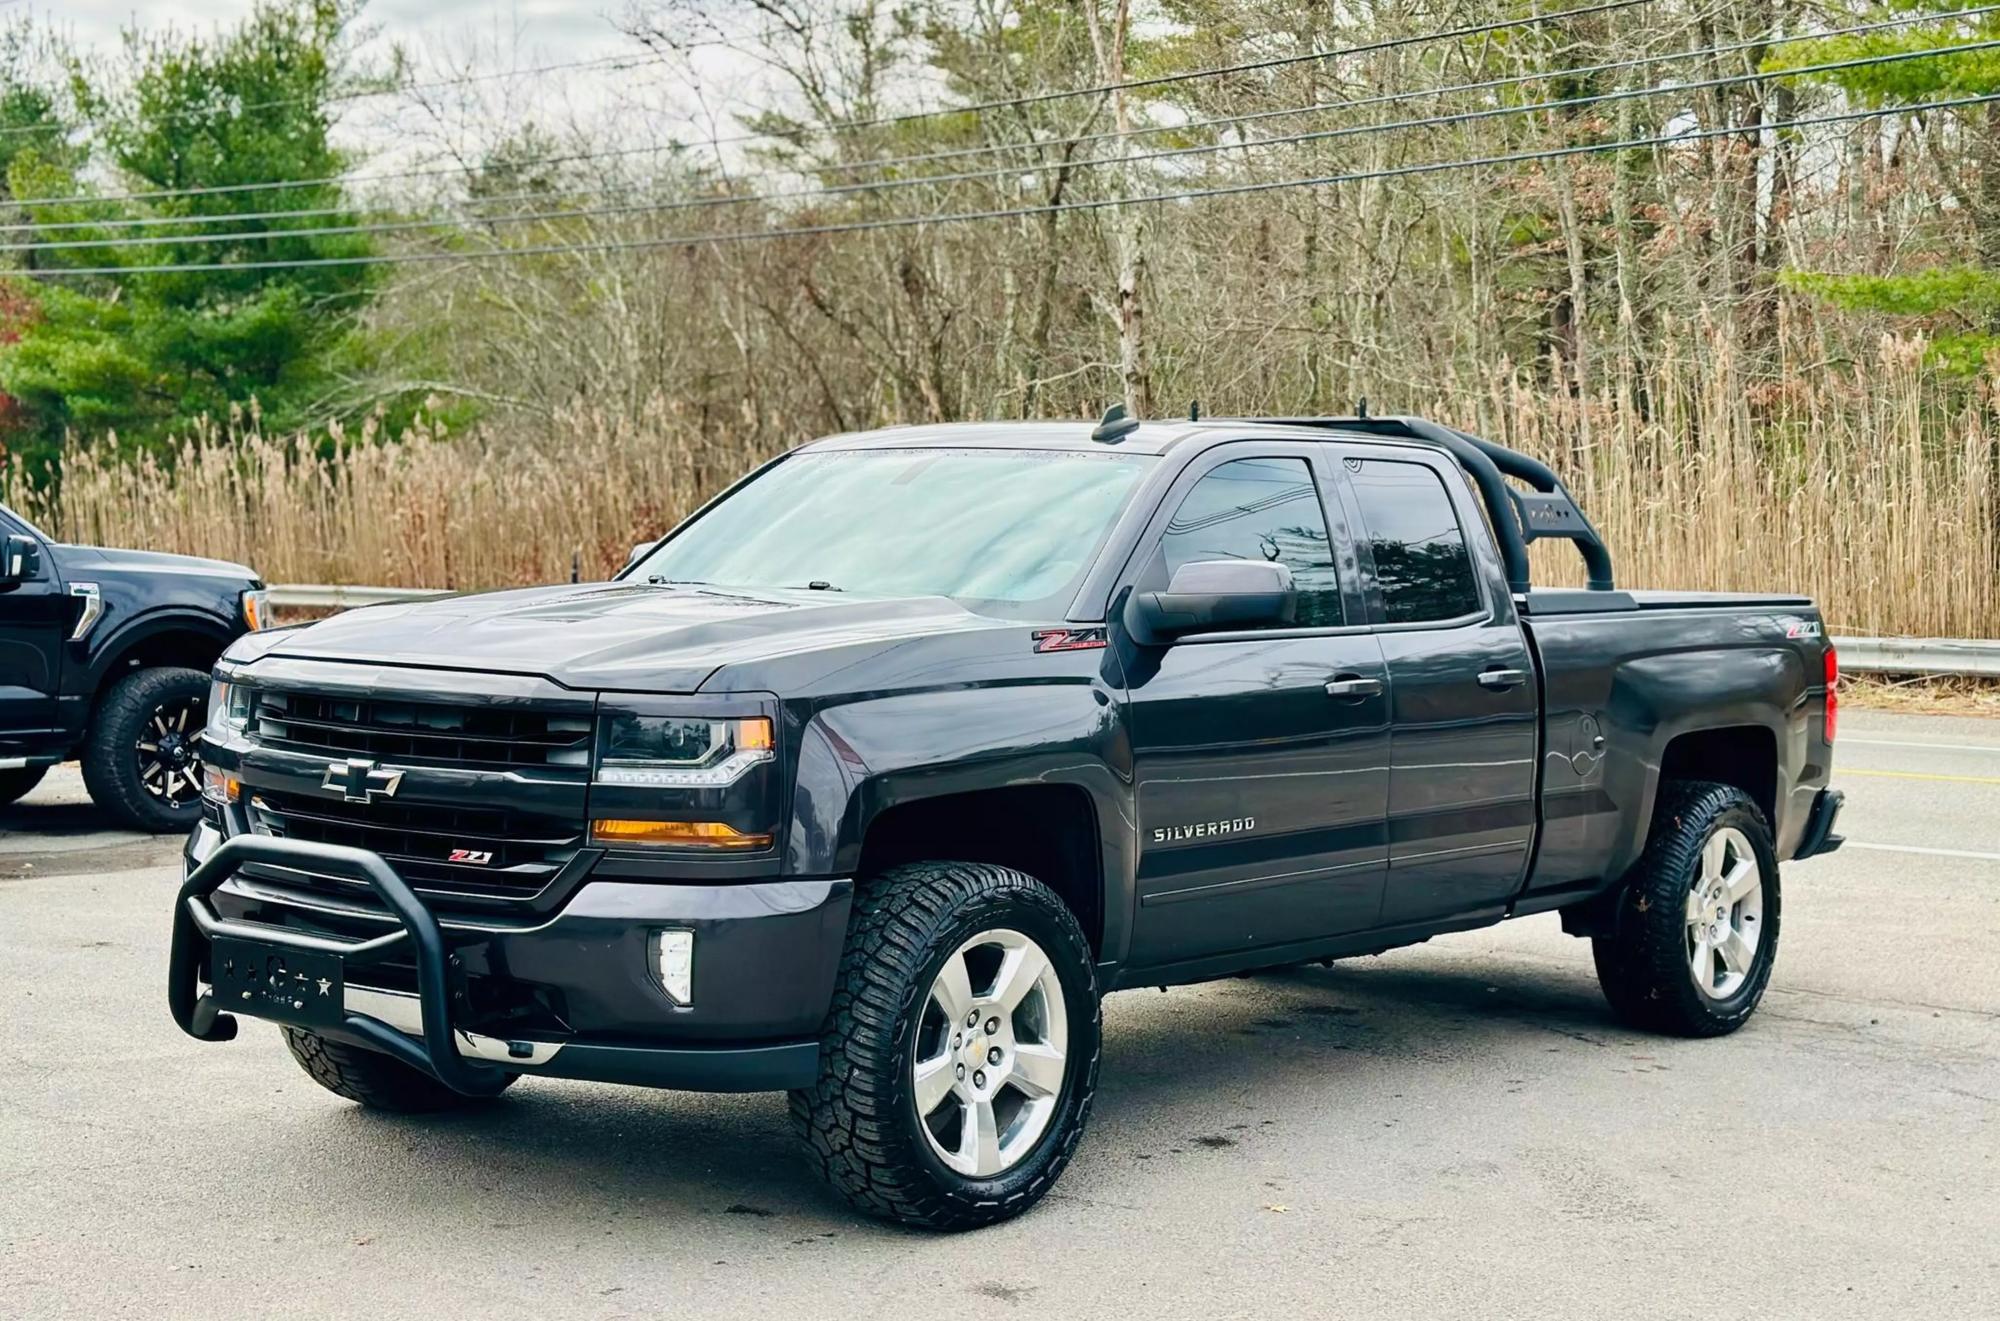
(188, 648)
(1743, 755)
(1048, 831)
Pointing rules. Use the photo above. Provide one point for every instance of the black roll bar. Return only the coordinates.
(1518, 517)
(196, 924)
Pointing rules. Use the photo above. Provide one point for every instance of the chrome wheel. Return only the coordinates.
(1725, 910)
(169, 751)
(990, 1054)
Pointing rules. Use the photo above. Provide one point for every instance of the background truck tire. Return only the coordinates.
(1646, 967)
(19, 781)
(859, 1121)
(111, 755)
(374, 1079)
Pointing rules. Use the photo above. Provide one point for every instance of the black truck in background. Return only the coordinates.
(104, 656)
(872, 777)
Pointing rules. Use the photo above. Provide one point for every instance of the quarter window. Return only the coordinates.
(1261, 509)
(1421, 563)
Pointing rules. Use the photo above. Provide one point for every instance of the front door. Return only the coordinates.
(34, 615)
(1462, 689)
(1261, 794)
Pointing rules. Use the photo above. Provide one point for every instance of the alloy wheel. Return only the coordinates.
(169, 751)
(1725, 911)
(990, 1053)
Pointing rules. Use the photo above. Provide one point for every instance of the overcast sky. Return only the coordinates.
(445, 38)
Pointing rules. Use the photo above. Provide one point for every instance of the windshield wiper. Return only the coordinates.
(818, 585)
(655, 580)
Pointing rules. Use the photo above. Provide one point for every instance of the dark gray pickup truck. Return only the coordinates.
(872, 777)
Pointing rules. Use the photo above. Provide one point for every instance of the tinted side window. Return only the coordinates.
(1421, 562)
(1261, 509)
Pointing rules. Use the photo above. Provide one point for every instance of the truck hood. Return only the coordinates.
(633, 637)
(102, 559)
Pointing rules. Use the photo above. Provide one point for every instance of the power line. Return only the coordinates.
(600, 63)
(638, 208)
(1022, 212)
(975, 108)
(1236, 120)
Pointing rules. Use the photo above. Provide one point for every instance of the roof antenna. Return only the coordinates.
(1116, 424)
(1194, 410)
(1361, 408)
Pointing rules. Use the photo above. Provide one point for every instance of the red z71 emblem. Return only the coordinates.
(471, 857)
(1068, 639)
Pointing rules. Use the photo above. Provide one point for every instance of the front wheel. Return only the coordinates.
(142, 761)
(960, 1053)
(374, 1080)
(1697, 929)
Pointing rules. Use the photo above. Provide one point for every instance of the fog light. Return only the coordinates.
(220, 787)
(673, 963)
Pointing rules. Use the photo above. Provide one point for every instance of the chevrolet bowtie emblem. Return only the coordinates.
(359, 780)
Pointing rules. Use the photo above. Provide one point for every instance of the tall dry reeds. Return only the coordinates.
(1871, 488)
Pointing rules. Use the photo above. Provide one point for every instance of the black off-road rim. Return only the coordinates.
(169, 751)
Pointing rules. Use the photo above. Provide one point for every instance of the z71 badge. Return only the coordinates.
(472, 857)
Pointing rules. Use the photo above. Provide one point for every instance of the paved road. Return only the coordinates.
(1459, 1129)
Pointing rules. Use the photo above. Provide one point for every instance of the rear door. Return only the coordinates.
(1261, 795)
(34, 615)
(1464, 714)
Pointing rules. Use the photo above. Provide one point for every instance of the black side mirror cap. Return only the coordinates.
(20, 558)
(1212, 596)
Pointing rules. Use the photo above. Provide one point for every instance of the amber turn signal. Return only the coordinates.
(681, 834)
(219, 786)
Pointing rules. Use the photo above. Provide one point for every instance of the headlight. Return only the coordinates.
(670, 752)
(228, 709)
(256, 610)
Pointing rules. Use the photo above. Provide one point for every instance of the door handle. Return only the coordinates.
(1353, 686)
(1502, 679)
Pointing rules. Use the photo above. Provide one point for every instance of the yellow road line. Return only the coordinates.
(1846, 771)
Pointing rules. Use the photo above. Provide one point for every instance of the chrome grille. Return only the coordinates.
(421, 733)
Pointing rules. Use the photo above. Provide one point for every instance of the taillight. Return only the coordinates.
(1832, 691)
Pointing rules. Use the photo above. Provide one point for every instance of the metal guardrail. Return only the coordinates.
(1945, 657)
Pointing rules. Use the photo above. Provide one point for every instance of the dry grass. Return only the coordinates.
(1919, 695)
(1874, 490)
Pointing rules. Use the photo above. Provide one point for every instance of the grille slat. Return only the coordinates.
(421, 733)
(527, 850)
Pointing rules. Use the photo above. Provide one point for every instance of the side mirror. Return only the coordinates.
(20, 558)
(1210, 596)
(637, 551)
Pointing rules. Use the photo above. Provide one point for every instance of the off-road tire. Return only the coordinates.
(110, 757)
(858, 1122)
(1643, 966)
(373, 1079)
(18, 782)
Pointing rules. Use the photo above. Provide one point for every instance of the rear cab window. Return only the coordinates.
(1423, 567)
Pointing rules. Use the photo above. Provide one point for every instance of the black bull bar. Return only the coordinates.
(197, 924)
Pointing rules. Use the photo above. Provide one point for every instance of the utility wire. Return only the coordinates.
(881, 121)
(1021, 212)
(601, 63)
(1177, 153)
(1236, 120)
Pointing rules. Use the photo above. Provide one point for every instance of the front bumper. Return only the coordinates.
(570, 996)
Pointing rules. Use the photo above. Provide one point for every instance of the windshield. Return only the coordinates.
(1007, 531)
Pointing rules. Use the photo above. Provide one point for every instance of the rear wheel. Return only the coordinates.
(374, 1079)
(142, 762)
(16, 783)
(1697, 925)
(960, 1056)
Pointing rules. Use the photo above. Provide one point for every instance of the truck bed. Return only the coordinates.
(1543, 602)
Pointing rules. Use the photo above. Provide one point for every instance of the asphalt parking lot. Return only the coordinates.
(1459, 1129)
